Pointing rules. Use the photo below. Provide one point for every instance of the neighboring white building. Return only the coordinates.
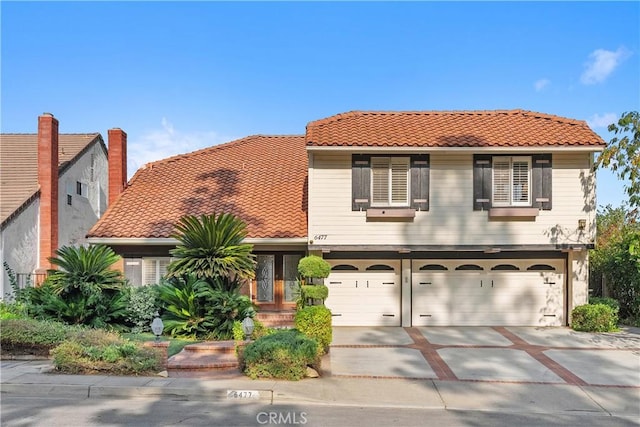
(54, 188)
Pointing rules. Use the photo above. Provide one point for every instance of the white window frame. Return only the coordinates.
(84, 189)
(388, 179)
(159, 265)
(510, 199)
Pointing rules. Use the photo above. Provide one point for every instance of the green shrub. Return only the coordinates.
(260, 330)
(238, 332)
(313, 266)
(284, 354)
(594, 318)
(98, 351)
(13, 310)
(31, 336)
(614, 304)
(195, 308)
(315, 322)
(312, 295)
(142, 305)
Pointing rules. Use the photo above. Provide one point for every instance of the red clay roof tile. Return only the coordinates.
(499, 128)
(261, 179)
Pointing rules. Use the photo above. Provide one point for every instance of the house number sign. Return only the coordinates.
(243, 394)
(320, 236)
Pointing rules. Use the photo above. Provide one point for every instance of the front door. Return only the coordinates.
(275, 285)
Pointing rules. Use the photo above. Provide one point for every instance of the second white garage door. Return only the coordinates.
(364, 292)
(477, 293)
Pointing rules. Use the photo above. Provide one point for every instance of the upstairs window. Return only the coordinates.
(511, 181)
(82, 189)
(390, 181)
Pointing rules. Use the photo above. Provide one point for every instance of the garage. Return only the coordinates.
(364, 292)
(488, 292)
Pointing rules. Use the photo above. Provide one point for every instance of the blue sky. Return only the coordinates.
(181, 76)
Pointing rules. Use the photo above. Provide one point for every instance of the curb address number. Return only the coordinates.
(243, 394)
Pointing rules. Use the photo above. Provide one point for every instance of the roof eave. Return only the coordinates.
(363, 148)
(169, 241)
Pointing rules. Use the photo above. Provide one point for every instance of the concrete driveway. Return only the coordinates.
(493, 354)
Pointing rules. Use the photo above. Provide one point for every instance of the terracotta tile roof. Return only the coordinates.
(262, 179)
(19, 166)
(499, 128)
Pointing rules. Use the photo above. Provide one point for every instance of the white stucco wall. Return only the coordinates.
(76, 219)
(19, 244)
(19, 240)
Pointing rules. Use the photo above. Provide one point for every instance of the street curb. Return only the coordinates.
(46, 390)
(197, 394)
(126, 392)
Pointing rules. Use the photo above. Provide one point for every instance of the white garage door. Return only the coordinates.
(497, 292)
(364, 292)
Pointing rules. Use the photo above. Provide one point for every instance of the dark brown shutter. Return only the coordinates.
(481, 182)
(541, 181)
(420, 182)
(360, 181)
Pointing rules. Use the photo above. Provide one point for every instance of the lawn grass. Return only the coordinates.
(175, 344)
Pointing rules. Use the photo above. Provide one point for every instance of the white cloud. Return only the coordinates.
(601, 120)
(601, 64)
(541, 84)
(165, 142)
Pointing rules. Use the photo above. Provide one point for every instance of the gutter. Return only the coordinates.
(170, 241)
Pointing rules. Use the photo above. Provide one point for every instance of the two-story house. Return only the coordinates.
(53, 189)
(427, 218)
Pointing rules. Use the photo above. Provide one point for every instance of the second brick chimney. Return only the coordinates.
(117, 163)
(48, 182)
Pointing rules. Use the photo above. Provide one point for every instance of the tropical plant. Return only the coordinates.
(84, 269)
(196, 309)
(84, 291)
(211, 247)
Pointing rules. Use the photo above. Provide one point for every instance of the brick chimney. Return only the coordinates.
(117, 163)
(48, 182)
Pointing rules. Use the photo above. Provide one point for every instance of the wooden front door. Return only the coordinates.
(275, 285)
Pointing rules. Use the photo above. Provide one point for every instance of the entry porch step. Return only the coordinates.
(212, 355)
(276, 319)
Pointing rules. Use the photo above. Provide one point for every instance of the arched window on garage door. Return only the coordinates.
(433, 267)
(541, 267)
(469, 267)
(380, 267)
(505, 267)
(344, 267)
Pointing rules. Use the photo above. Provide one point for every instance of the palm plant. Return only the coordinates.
(84, 269)
(194, 308)
(84, 290)
(210, 247)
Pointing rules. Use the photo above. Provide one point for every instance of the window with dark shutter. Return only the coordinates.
(482, 182)
(390, 181)
(420, 182)
(541, 181)
(505, 181)
(360, 181)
